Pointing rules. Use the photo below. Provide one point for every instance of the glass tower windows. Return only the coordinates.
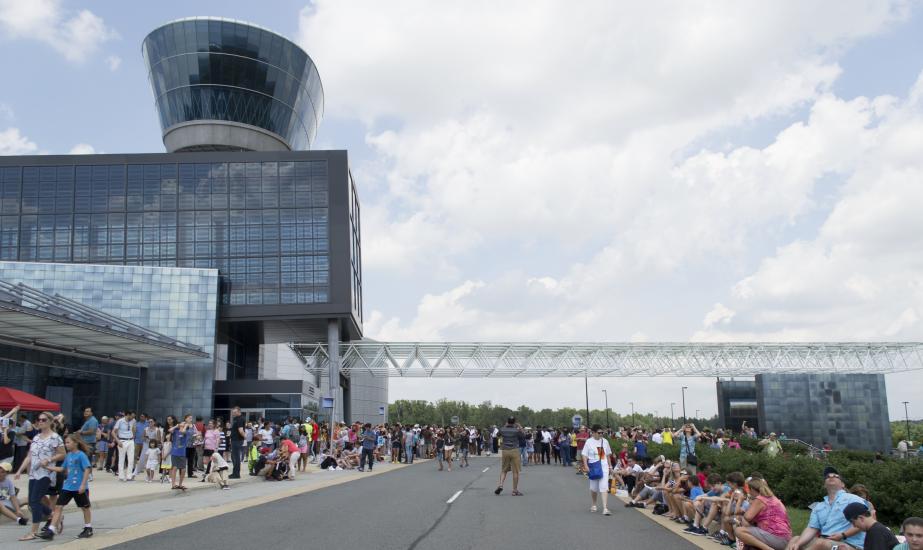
(255, 222)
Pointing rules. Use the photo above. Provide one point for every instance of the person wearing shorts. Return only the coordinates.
(597, 449)
(509, 455)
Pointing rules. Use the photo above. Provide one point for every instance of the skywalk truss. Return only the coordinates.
(563, 360)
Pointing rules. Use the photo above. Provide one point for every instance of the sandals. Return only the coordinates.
(30, 536)
(517, 494)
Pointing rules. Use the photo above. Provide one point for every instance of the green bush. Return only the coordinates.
(895, 486)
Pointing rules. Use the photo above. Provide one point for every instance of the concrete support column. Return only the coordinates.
(333, 375)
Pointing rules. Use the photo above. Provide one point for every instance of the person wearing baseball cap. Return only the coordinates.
(828, 528)
(877, 536)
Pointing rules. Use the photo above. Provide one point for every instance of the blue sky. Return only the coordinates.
(530, 172)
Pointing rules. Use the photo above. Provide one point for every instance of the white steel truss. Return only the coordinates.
(536, 359)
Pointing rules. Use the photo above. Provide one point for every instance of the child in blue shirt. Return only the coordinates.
(77, 468)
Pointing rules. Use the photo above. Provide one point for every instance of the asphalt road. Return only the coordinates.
(408, 509)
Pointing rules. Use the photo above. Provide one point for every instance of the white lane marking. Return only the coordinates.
(451, 500)
(485, 469)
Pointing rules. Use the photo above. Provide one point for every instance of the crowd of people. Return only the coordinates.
(736, 509)
(741, 509)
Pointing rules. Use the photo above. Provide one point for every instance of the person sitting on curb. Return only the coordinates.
(877, 536)
(827, 526)
(9, 503)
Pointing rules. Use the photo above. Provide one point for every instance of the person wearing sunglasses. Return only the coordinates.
(46, 449)
(596, 450)
(828, 528)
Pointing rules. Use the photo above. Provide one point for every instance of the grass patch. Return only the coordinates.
(798, 518)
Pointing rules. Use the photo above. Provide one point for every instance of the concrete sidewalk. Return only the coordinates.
(123, 511)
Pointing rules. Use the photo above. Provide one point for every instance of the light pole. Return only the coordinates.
(684, 404)
(586, 386)
(907, 422)
(696, 414)
(672, 427)
(632, 403)
(606, 393)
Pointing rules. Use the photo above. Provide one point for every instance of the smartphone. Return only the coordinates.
(4, 423)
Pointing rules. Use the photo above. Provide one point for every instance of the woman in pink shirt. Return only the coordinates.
(210, 445)
(766, 524)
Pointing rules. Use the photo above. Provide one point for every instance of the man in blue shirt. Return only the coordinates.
(181, 438)
(828, 527)
(369, 440)
(88, 432)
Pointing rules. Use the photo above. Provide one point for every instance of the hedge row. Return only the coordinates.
(895, 486)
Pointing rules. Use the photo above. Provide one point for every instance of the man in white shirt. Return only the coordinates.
(546, 445)
(125, 432)
(265, 434)
(657, 437)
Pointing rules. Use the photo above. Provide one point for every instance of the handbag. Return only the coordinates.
(691, 459)
(595, 470)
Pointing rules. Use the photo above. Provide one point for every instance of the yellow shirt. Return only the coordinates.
(667, 438)
(573, 440)
(309, 429)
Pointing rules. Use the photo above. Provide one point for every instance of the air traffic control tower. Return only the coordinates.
(222, 85)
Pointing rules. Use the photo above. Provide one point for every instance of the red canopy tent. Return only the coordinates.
(10, 397)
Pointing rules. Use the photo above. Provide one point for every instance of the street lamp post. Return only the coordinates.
(632, 403)
(684, 403)
(586, 386)
(672, 427)
(606, 393)
(696, 414)
(907, 422)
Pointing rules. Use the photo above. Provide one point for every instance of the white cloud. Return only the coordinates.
(75, 35)
(82, 149)
(14, 143)
(6, 112)
(114, 62)
(857, 279)
(720, 314)
(548, 122)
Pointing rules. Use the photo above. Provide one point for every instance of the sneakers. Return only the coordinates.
(86, 533)
(691, 529)
(45, 534)
(700, 531)
(593, 508)
(22, 521)
(606, 512)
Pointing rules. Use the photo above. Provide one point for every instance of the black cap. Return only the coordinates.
(830, 470)
(854, 510)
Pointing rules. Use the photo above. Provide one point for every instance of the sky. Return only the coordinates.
(532, 171)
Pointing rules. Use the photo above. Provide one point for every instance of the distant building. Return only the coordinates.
(737, 404)
(849, 411)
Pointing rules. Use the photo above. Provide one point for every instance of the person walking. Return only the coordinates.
(238, 435)
(509, 457)
(125, 431)
(45, 449)
(595, 454)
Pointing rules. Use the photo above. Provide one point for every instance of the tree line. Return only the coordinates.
(486, 413)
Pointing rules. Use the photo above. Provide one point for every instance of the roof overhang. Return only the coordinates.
(35, 320)
(577, 359)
